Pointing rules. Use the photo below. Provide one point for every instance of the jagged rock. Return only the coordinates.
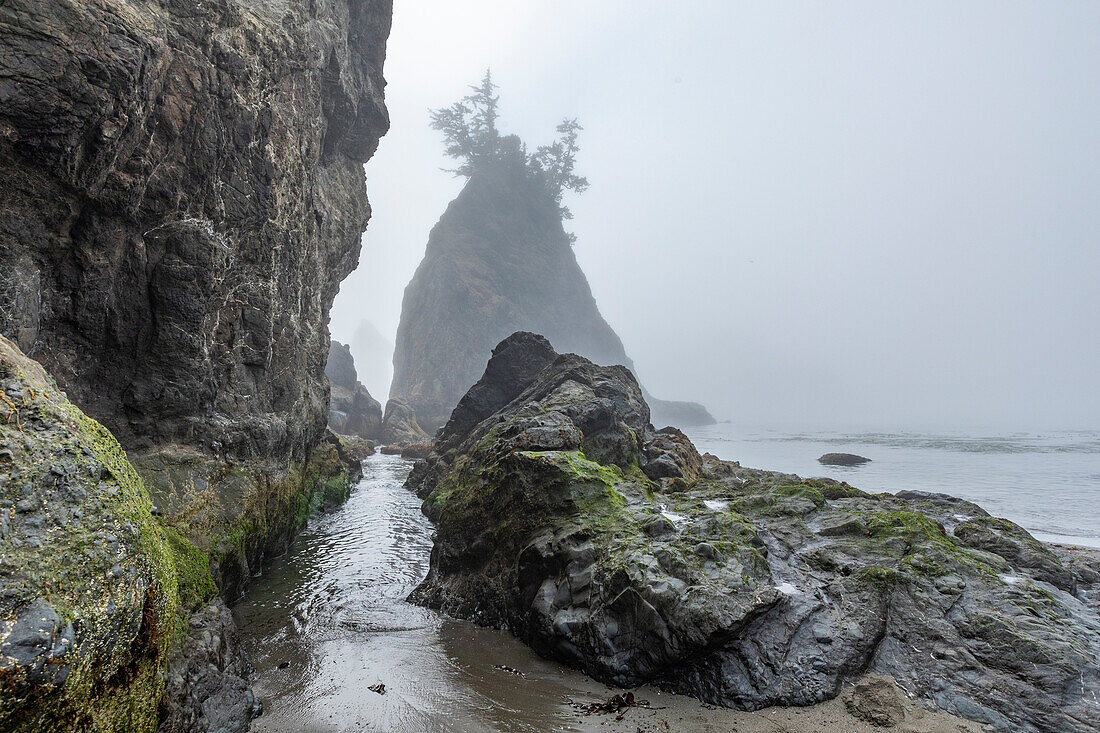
(498, 261)
(183, 192)
(91, 586)
(206, 685)
(351, 410)
(842, 459)
(400, 427)
(745, 588)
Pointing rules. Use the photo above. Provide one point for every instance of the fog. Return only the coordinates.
(857, 216)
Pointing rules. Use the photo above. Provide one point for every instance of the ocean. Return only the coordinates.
(1047, 482)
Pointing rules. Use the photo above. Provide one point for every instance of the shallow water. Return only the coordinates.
(1049, 483)
(329, 619)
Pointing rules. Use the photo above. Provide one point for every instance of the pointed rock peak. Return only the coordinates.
(515, 363)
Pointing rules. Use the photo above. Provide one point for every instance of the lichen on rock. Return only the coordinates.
(93, 588)
(565, 517)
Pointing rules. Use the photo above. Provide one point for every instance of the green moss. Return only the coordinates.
(842, 491)
(133, 705)
(909, 525)
(802, 491)
(279, 507)
(579, 467)
(193, 578)
(880, 576)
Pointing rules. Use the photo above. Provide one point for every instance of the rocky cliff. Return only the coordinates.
(498, 261)
(183, 192)
(563, 516)
(351, 410)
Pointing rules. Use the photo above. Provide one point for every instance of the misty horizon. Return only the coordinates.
(864, 218)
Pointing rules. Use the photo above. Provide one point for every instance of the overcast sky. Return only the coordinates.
(860, 215)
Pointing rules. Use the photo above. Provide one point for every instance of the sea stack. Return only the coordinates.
(499, 260)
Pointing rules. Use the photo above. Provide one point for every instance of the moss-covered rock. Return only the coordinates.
(240, 512)
(94, 589)
(564, 517)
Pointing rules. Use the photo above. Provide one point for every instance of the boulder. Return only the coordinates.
(842, 459)
(92, 587)
(563, 516)
(400, 427)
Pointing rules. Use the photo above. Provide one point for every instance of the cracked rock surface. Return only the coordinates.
(183, 193)
(565, 517)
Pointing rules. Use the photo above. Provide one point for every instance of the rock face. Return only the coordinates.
(498, 261)
(183, 194)
(91, 585)
(351, 409)
(842, 459)
(564, 517)
(399, 427)
(206, 689)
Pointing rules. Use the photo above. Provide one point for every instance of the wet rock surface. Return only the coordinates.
(498, 261)
(91, 587)
(842, 459)
(351, 409)
(206, 685)
(184, 191)
(564, 517)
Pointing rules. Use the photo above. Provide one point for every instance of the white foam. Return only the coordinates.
(672, 516)
(716, 505)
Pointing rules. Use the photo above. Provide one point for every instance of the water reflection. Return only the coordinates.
(329, 620)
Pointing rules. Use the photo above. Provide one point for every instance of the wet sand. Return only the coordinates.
(329, 620)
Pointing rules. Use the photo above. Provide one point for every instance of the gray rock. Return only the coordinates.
(206, 682)
(498, 261)
(97, 595)
(400, 426)
(352, 410)
(842, 459)
(183, 194)
(780, 595)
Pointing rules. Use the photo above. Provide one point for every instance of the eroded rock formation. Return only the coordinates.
(183, 192)
(351, 409)
(565, 517)
(498, 261)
